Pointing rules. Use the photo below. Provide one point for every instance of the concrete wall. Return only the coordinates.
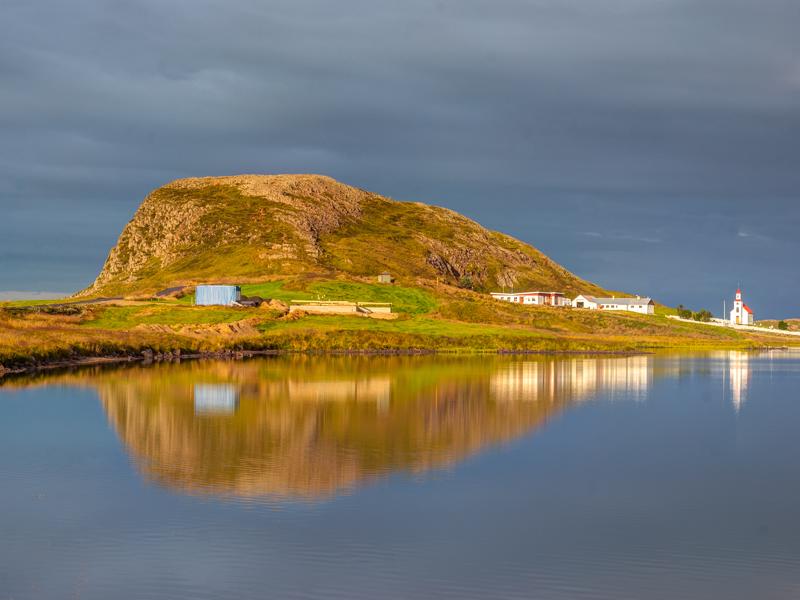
(378, 309)
(341, 308)
(337, 309)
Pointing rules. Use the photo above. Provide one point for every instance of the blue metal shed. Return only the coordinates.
(217, 295)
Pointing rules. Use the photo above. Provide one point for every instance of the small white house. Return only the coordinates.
(741, 314)
(644, 306)
(533, 298)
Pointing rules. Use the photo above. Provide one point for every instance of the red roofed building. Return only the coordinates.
(741, 314)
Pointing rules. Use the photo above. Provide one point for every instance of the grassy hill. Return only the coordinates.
(255, 228)
(307, 237)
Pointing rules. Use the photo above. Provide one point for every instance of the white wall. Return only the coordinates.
(745, 318)
(643, 308)
(586, 303)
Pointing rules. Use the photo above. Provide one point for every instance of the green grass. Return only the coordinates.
(439, 314)
(276, 290)
(403, 299)
(126, 317)
(407, 300)
(417, 326)
(21, 303)
(27, 336)
(431, 317)
(269, 289)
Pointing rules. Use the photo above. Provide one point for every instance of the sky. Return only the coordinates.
(650, 146)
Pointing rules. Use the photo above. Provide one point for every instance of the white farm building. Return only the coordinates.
(644, 306)
(534, 298)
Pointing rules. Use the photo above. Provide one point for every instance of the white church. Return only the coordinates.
(741, 314)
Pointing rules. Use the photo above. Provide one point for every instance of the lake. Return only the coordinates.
(619, 477)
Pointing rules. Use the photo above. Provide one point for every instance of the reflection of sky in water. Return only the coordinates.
(515, 478)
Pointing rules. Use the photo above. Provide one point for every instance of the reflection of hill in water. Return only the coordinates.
(308, 427)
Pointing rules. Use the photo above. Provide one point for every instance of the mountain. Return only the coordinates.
(250, 228)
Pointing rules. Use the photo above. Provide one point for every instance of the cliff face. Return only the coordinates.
(251, 227)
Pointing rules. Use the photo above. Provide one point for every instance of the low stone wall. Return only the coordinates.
(364, 309)
(337, 309)
(378, 309)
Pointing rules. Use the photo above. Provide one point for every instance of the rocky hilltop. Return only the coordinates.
(254, 227)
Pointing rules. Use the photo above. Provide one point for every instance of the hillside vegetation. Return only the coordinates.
(252, 228)
(435, 318)
(307, 237)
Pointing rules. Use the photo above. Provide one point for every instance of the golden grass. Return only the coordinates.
(445, 320)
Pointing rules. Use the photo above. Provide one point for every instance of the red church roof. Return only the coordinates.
(748, 309)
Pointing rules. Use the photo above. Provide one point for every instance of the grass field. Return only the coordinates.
(16, 303)
(403, 299)
(127, 317)
(440, 318)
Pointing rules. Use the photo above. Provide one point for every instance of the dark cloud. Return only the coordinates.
(647, 144)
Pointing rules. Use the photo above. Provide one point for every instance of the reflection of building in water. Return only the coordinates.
(575, 378)
(739, 377)
(377, 389)
(215, 399)
(300, 427)
(306, 430)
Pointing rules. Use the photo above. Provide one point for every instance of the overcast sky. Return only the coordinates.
(652, 146)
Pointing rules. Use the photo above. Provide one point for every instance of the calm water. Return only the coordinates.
(636, 477)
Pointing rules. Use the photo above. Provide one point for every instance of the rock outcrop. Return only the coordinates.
(255, 227)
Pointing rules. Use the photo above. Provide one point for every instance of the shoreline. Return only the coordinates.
(147, 357)
(143, 358)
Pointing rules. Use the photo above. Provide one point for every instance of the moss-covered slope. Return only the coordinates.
(253, 228)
